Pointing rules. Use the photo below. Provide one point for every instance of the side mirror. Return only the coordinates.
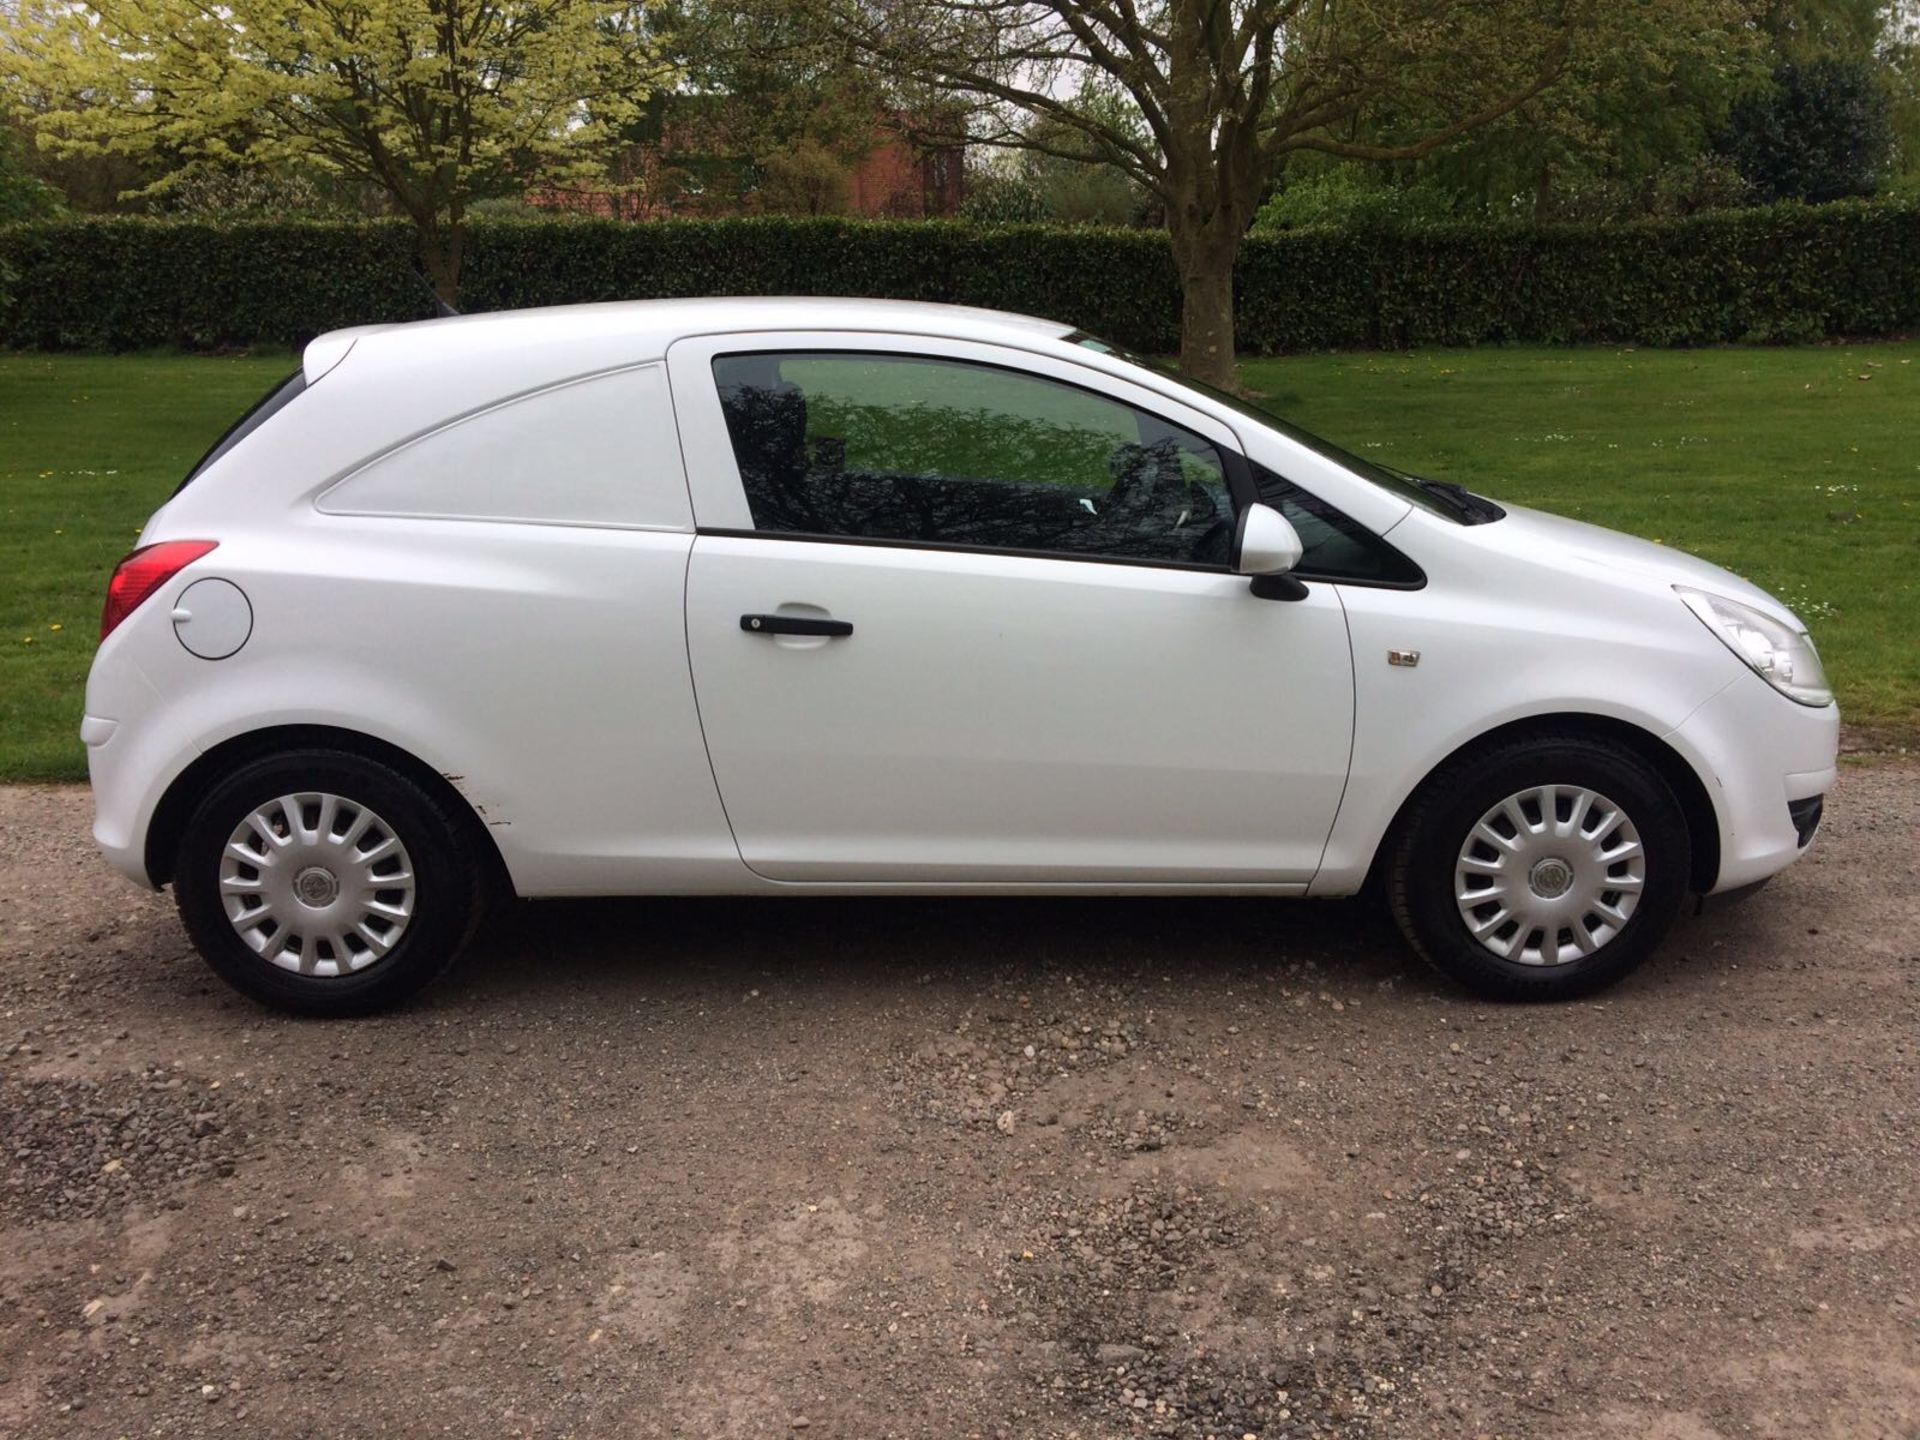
(1264, 542)
(1266, 546)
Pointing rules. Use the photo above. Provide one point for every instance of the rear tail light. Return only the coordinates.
(142, 573)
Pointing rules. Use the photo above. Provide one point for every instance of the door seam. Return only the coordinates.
(1353, 731)
(699, 719)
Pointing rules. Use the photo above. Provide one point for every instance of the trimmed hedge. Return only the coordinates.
(1789, 273)
(1781, 274)
(135, 284)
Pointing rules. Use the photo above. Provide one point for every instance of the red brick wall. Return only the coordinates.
(895, 180)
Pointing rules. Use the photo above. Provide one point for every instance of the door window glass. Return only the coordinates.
(914, 449)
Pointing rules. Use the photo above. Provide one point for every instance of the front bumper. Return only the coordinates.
(1805, 815)
(1766, 761)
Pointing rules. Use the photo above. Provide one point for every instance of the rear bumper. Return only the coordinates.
(1768, 763)
(130, 759)
(120, 812)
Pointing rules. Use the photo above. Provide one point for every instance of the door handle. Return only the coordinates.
(794, 625)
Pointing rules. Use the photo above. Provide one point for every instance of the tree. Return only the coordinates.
(1903, 92)
(252, 193)
(23, 195)
(765, 80)
(1219, 92)
(1350, 194)
(1002, 197)
(1642, 90)
(1083, 190)
(1040, 183)
(1822, 133)
(1631, 125)
(437, 102)
(1803, 30)
(805, 178)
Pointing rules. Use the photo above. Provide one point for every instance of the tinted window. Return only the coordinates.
(913, 449)
(1401, 485)
(597, 451)
(1333, 546)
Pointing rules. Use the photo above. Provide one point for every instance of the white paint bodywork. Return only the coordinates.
(997, 722)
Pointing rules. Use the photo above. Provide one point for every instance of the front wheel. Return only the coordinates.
(323, 883)
(1542, 868)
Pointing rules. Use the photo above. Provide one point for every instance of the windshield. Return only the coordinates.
(1386, 477)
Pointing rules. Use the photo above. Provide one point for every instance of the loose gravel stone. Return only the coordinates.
(707, 1168)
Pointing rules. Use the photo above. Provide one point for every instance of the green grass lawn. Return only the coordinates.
(90, 446)
(1783, 465)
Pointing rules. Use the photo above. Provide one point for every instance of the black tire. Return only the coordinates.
(1427, 851)
(447, 901)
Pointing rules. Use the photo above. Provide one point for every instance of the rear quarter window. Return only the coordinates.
(598, 451)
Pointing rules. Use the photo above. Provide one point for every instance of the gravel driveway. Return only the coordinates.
(1023, 1168)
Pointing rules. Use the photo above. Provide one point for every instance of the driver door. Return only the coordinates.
(960, 614)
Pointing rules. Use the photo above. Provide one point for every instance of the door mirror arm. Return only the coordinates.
(1267, 547)
(1278, 587)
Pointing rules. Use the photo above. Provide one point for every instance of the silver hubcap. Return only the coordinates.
(1549, 875)
(317, 884)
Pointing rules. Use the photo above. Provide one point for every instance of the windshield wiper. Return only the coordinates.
(1471, 508)
(1474, 509)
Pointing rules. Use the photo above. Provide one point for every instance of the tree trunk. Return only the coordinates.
(1205, 263)
(441, 248)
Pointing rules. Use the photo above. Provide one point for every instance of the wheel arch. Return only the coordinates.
(170, 815)
(1696, 804)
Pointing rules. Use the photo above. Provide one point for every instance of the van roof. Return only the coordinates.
(660, 322)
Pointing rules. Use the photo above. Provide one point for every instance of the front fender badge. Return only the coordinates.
(1408, 658)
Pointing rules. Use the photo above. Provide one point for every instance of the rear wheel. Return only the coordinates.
(1540, 868)
(323, 883)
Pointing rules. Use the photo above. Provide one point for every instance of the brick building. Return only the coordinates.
(897, 174)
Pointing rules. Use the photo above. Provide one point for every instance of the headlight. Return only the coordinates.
(1780, 655)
